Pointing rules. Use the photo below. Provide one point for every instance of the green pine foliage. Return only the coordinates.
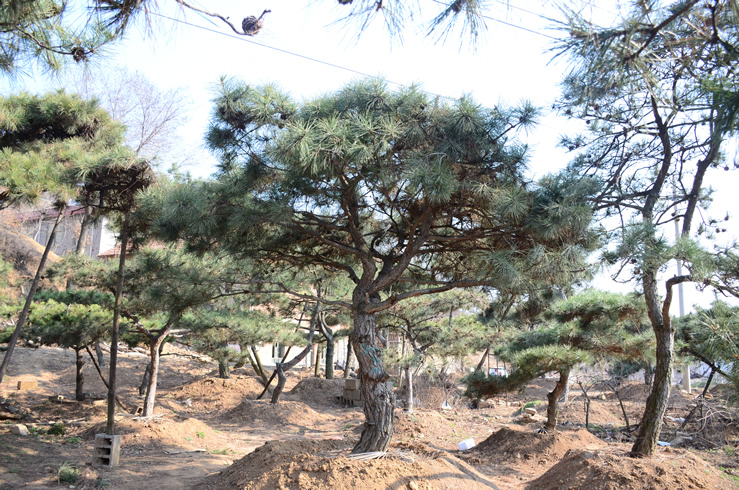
(67, 325)
(711, 335)
(38, 33)
(589, 327)
(51, 144)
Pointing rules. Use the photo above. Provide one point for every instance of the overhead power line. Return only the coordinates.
(322, 62)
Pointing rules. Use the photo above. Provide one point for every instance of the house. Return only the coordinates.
(37, 224)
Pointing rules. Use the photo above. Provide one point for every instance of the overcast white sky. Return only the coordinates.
(510, 64)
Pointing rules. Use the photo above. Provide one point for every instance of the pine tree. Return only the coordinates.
(388, 188)
(37, 32)
(74, 320)
(588, 327)
(49, 145)
(658, 94)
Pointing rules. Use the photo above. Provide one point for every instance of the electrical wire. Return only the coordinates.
(328, 63)
(309, 58)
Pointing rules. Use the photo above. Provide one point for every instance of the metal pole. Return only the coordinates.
(681, 310)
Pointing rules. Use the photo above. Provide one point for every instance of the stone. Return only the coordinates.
(486, 404)
(27, 385)
(412, 485)
(530, 411)
(19, 429)
(354, 395)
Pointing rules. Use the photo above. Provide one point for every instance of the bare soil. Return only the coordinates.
(211, 433)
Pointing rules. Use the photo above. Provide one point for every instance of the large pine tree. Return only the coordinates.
(405, 194)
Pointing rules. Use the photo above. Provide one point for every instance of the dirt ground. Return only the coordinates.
(211, 433)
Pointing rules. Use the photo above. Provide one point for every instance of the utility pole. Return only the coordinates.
(681, 305)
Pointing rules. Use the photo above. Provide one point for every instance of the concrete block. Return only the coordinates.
(56, 398)
(351, 384)
(19, 429)
(27, 385)
(354, 395)
(137, 410)
(107, 450)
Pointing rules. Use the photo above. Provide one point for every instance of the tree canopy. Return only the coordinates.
(404, 194)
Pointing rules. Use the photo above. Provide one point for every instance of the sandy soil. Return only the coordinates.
(213, 433)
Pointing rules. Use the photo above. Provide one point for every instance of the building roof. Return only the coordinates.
(116, 251)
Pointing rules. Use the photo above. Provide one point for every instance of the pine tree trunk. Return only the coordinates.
(145, 379)
(481, 364)
(348, 358)
(151, 390)
(79, 393)
(99, 353)
(379, 402)
(651, 424)
(114, 331)
(256, 364)
(29, 299)
(223, 370)
(87, 220)
(317, 366)
(330, 346)
(654, 411)
(280, 368)
(553, 398)
(409, 388)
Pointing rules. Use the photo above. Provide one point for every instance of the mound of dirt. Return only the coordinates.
(217, 393)
(323, 465)
(283, 413)
(601, 412)
(175, 432)
(23, 252)
(317, 391)
(639, 392)
(507, 444)
(613, 471)
(419, 422)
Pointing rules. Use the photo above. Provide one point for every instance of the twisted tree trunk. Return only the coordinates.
(281, 368)
(553, 397)
(654, 411)
(379, 401)
(154, 352)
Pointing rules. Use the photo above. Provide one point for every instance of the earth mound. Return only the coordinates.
(324, 465)
(217, 393)
(419, 422)
(283, 413)
(317, 391)
(611, 471)
(174, 432)
(507, 444)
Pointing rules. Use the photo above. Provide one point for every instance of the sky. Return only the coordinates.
(303, 50)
